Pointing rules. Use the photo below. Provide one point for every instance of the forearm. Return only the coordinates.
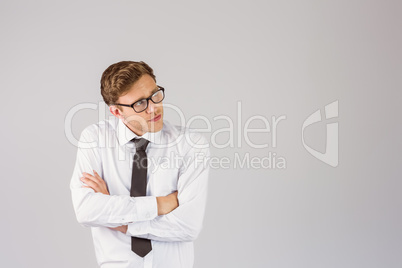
(167, 228)
(185, 222)
(96, 209)
(182, 224)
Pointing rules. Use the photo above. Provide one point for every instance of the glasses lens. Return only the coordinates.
(158, 96)
(140, 105)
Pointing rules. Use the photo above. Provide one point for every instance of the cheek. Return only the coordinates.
(158, 106)
(138, 122)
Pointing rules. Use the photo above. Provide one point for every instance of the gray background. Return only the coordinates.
(276, 57)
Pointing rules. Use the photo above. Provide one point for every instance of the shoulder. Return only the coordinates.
(98, 132)
(186, 138)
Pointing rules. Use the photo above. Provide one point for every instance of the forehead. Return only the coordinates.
(141, 89)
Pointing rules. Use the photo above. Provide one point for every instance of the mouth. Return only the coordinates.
(156, 118)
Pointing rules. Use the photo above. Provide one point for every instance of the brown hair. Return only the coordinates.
(119, 77)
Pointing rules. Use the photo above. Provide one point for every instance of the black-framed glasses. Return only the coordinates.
(141, 105)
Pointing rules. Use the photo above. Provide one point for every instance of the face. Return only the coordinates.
(142, 122)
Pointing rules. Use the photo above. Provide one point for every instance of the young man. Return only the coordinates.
(140, 182)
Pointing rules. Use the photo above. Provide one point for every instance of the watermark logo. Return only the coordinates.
(330, 156)
(249, 147)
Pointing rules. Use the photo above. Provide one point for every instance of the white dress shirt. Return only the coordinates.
(177, 160)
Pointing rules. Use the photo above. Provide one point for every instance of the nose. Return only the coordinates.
(151, 107)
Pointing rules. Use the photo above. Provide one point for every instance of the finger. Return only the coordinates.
(100, 180)
(90, 183)
(90, 177)
(97, 175)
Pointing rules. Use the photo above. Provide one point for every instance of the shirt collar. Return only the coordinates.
(125, 135)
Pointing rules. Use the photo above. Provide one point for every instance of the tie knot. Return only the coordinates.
(140, 144)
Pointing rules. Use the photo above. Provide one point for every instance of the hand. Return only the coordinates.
(122, 228)
(167, 203)
(94, 182)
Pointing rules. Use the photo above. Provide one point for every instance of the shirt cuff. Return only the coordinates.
(139, 229)
(147, 209)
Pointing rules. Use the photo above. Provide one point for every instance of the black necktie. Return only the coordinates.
(140, 246)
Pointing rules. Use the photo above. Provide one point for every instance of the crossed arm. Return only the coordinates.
(175, 217)
(165, 204)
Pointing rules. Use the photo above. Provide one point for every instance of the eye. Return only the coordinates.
(139, 103)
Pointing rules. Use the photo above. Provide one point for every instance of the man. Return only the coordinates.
(140, 182)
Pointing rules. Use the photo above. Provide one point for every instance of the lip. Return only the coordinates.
(156, 118)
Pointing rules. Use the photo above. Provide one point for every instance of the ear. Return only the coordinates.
(115, 111)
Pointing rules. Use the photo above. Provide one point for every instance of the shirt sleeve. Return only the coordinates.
(185, 222)
(97, 209)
